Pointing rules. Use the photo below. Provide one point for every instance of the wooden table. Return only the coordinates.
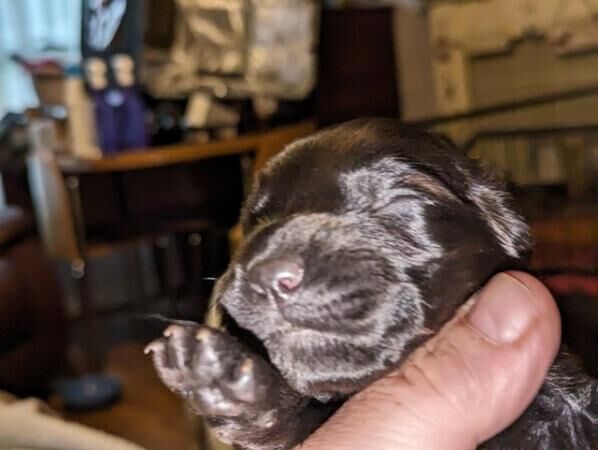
(265, 145)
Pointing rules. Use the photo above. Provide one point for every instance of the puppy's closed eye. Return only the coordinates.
(430, 185)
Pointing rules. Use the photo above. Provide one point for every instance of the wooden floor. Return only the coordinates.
(148, 413)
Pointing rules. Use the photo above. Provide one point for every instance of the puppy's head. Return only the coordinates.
(361, 241)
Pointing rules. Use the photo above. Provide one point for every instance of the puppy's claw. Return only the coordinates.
(245, 386)
(172, 330)
(153, 347)
(202, 335)
(246, 366)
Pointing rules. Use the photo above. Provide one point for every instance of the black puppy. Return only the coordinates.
(361, 241)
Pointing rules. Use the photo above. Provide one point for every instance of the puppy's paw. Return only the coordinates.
(211, 370)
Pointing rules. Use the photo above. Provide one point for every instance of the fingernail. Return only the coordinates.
(504, 310)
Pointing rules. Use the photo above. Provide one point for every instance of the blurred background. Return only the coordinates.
(130, 131)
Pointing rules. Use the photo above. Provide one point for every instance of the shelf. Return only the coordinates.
(182, 153)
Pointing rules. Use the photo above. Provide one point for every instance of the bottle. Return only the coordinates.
(82, 130)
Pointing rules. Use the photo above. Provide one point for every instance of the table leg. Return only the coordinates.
(80, 276)
(93, 354)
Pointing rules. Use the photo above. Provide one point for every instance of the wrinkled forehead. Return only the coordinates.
(322, 180)
(389, 180)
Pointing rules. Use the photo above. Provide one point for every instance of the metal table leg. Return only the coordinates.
(78, 268)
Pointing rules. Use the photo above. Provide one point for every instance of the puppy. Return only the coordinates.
(361, 242)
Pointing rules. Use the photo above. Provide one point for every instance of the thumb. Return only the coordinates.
(466, 384)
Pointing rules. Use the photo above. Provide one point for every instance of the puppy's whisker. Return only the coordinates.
(163, 319)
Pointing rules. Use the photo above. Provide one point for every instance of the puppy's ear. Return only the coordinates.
(498, 211)
(486, 192)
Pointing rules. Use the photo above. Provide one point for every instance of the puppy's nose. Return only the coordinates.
(281, 275)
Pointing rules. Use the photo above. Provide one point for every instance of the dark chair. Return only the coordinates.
(33, 324)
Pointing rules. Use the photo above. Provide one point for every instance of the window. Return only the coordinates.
(34, 29)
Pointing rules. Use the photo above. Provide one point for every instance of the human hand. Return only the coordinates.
(465, 385)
